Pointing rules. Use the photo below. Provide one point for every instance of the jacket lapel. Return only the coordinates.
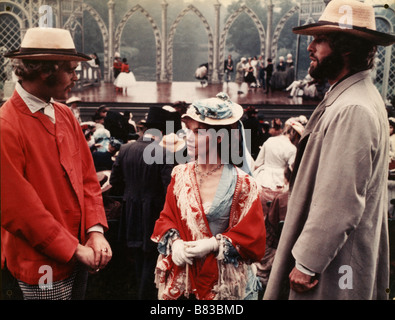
(41, 117)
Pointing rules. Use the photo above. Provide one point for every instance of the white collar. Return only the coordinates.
(33, 103)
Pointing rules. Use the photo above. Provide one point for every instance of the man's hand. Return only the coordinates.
(101, 249)
(86, 256)
(301, 282)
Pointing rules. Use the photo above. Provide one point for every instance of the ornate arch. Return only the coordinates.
(72, 24)
(387, 14)
(69, 25)
(14, 22)
(228, 24)
(169, 58)
(18, 12)
(279, 28)
(158, 42)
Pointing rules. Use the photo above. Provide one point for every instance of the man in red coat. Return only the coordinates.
(52, 215)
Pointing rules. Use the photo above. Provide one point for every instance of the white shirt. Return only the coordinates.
(35, 104)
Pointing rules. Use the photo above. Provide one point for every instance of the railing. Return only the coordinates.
(88, 75)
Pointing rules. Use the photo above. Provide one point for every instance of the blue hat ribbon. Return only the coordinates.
(214, 108)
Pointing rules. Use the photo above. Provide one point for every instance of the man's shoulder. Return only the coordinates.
(9, 110)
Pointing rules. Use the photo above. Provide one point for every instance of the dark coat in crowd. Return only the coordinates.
(144, 188)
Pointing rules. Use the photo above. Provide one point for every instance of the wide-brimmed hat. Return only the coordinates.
(215, 111)
(47, 44)
(348, 16)
(172, 142)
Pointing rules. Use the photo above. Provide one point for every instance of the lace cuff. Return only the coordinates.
(227, 252)
(164, 245)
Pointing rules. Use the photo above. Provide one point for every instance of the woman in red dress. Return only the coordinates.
(212, 227)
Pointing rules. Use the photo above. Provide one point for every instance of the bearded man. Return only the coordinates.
(334, 244)
(52, 214)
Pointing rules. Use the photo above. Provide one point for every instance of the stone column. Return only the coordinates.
(215, 73)
(163, 55)
(269, 28)
(110, 74)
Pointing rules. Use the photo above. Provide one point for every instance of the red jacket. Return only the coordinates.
(117, 65)
(50, 194)
(125, 68)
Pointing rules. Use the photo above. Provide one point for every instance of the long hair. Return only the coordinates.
(361, 52)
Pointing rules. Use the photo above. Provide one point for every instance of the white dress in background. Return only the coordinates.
(276, 154)
(125, 79)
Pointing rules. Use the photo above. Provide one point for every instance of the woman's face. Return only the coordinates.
(201, 141)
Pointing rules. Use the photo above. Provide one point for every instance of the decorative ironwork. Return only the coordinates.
(158, 41)
(72, 23)
(19, 15)
(279, 28)
(171, 39)
(385, 58)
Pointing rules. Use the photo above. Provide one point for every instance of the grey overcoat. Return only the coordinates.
(336, 224)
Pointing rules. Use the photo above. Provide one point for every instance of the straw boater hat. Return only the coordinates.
(215, 111)
(349, 16)
(47, 44)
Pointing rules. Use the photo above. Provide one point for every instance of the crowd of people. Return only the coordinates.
(257, 73)
(216, 202)
(143, 185)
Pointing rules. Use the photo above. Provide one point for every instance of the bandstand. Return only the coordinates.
(16, 16)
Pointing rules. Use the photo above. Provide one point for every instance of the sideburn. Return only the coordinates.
(52, 79)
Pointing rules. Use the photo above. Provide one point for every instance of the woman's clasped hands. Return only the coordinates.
(183, 252)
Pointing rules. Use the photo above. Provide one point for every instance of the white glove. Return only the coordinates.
(178, 255)
(202, 247)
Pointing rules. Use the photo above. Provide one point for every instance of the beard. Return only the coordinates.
(328, 68)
